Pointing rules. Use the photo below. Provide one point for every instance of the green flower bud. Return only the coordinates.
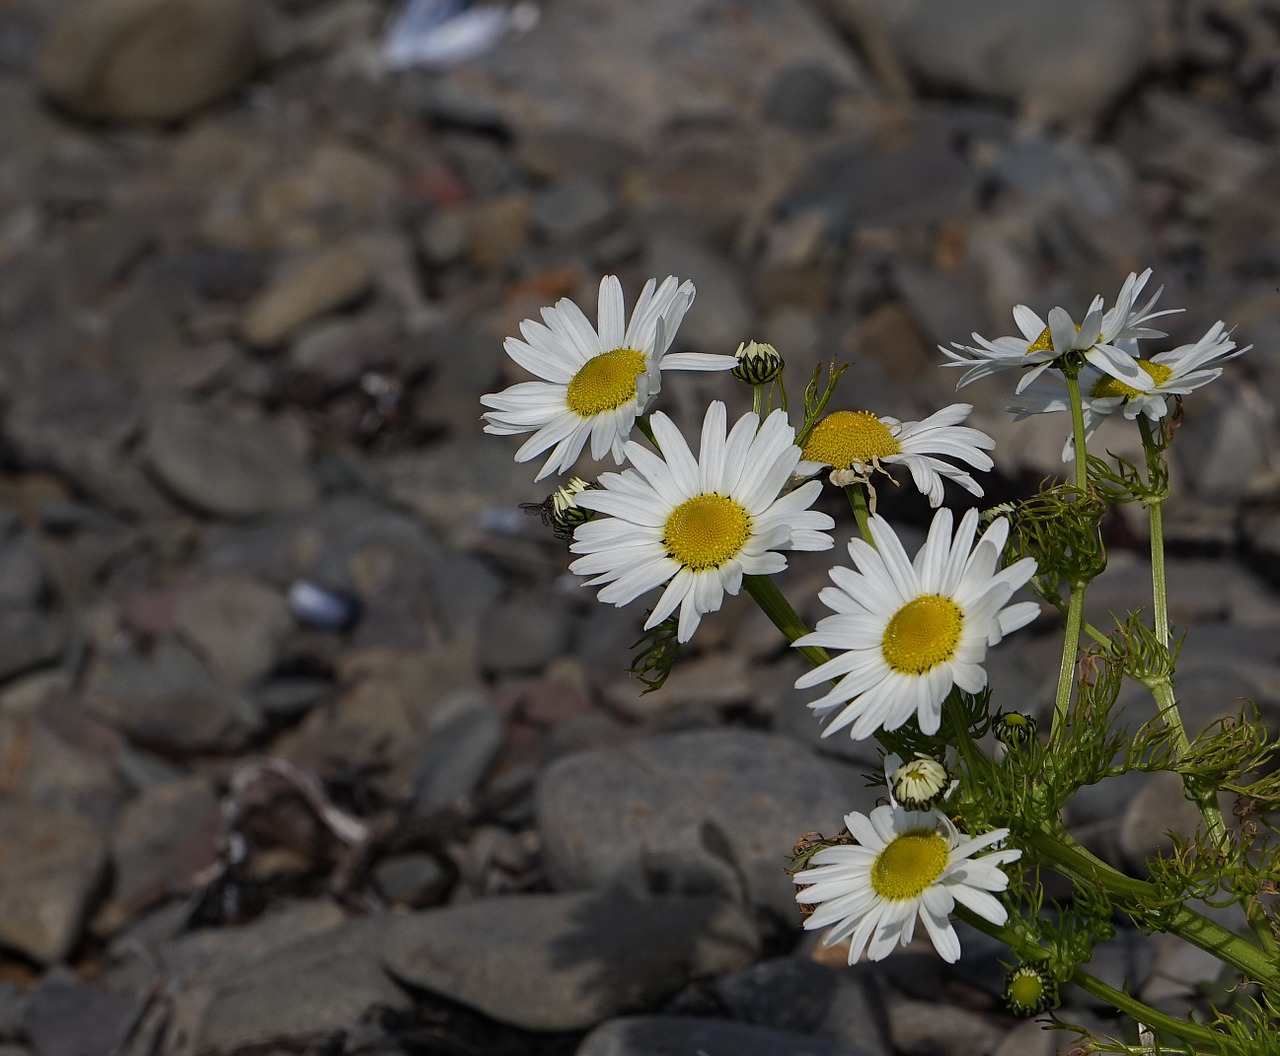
(758, 364)
(560, 511)
(919, 784)
(1030, 991)
(1013, 729)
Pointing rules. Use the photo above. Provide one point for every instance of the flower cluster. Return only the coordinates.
(901, 656)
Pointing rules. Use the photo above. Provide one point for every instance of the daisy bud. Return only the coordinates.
(1013, 729)
(919, 784)
(1029, 991)
(758, 363)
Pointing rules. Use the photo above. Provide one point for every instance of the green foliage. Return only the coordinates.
(658, 652)
(816, 398)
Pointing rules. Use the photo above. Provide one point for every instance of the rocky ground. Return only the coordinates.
(308, 744)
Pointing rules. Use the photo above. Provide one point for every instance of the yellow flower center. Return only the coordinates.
(706, 531)
(909, 864)
(922, 634)
(1043, 343)
(1109, 386)
(1026, 989)
(605, 382)
(845, 439)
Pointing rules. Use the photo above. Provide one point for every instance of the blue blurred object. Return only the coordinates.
(320, 608)
(439, 34)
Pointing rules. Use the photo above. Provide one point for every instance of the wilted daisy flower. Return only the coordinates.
(909, 632)
(698, 525)
(1042, 344)
(917, 785)
(855, 444)
(595, 384)
(907, 865)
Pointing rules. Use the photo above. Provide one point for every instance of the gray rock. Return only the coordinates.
(573, 211)
(524, 636)
(930, 1026)
(1159, 808)
(223, 465)
(323, 983)
(1178, 970)
(1084, 56)
(164, 839)
(172, 704)
(411, 879)
(801, 97)
(64, 1017)
(465, 589)
(317, 284)
(456, 749)
(60, 760)
(12, 1002)
(149, 346)
(721, 315)
(450, 485)
(566, 962)
(149, 60)
(238, 625)
(797, 995)
(924, 173)
(29, 640)
(337, 351)
(1123, 961)
(711, 811)
(617, 72)
(193, 962)
(53, 863)
(647, 1035)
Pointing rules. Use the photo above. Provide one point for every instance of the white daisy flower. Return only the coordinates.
(919, 784)
(1042, 344)
(1177, 372)
(909, 632)
(698, 525)
(906, 865)
(855, 444)
(595, 384)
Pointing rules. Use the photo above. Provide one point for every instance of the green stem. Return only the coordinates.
(1191, 1033)
(782, 393)
(1060, 850)
(1075, 606)
(1159, 592)
(766, 594)
(1077, 432)
(857, 494)
(757, 398)
(1070, 647)
(643, 425)
(1028, 950)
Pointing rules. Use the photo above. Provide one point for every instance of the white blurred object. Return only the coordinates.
(439, 34)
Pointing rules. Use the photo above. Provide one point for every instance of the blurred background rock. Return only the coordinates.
(307, 740)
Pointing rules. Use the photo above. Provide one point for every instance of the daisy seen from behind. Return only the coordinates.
(906, 866)
(1106, 339)
(856, 444)
(594, 383)
(698, 525)
(909, 631)
(1178, 372)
